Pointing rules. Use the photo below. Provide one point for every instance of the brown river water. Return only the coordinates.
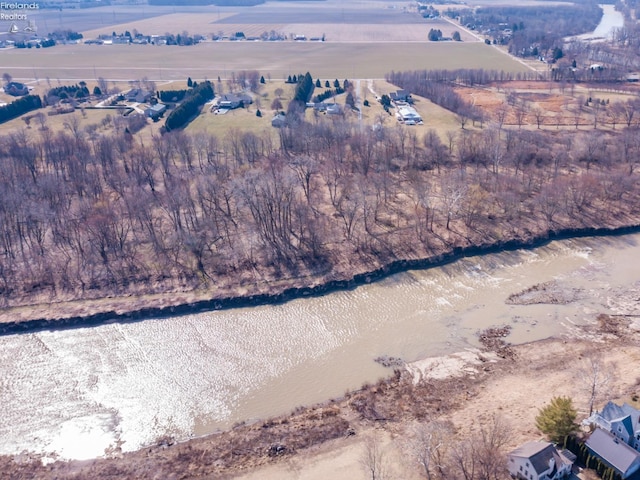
(76, 393)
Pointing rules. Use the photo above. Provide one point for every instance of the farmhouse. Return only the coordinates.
(138, 95)
(155, 111)
(330, 108)
(234, 100)
(400, 96)
(16, 89)
(539, 461)
(614, 453)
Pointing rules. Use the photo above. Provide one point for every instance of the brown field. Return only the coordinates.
(57, 122)
(278, 59)
(410, 32)
(201, 23)
(557, 107)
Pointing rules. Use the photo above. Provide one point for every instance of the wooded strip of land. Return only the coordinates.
(88, 216)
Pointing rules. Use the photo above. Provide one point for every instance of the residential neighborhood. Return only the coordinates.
(611, 446)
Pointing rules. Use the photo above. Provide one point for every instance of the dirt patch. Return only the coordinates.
(549, 292)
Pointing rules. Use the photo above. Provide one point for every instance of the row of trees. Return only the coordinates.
(438, 91)
(19, 107)
(90, 215)
(188, 109)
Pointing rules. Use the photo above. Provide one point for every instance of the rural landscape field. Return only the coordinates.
(361, 239)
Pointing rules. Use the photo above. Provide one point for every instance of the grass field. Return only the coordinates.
(56, 123)
(277, 59)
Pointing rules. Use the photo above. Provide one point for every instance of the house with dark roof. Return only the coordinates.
(400, 96)
(615, 453)
(16, 89)
(539, 461)
(622, 421)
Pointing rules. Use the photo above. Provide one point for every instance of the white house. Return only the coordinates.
(539, 461)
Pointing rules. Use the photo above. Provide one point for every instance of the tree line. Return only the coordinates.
(87, 215)
(19, 107)
(187, 110)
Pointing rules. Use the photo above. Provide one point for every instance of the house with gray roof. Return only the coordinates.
(622, 421)
(138, 95)
(155, 111)
(539, 461)
(615, 453)
(234, 100)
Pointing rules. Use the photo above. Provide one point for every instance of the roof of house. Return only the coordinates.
(616, 453)
(158, 107)
(399, 94)
(408, 112)
(611, 412)
(540, 455)
(15, 87)
(235, 97)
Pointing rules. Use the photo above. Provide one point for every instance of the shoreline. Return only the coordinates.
(269, 448)
(296, 292)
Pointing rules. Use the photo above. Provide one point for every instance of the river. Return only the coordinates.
(76, 393)
(610, 21)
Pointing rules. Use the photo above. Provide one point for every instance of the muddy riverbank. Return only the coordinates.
(124, 385)
(129, 310)
(297, 443)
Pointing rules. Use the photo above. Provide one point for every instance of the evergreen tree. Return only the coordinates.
(557, 419)
(327, 84)
(318, 84)
(189, 82)
(289, 79)
(262, 79)
(258, 113)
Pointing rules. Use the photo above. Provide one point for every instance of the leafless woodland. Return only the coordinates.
(87, 216)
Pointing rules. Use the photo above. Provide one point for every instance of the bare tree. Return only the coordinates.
(595, 376)
(429, 446)
(373, 460)
(481, 456)
(538, 114)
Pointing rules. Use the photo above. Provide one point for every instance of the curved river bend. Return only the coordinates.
(77, 393)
